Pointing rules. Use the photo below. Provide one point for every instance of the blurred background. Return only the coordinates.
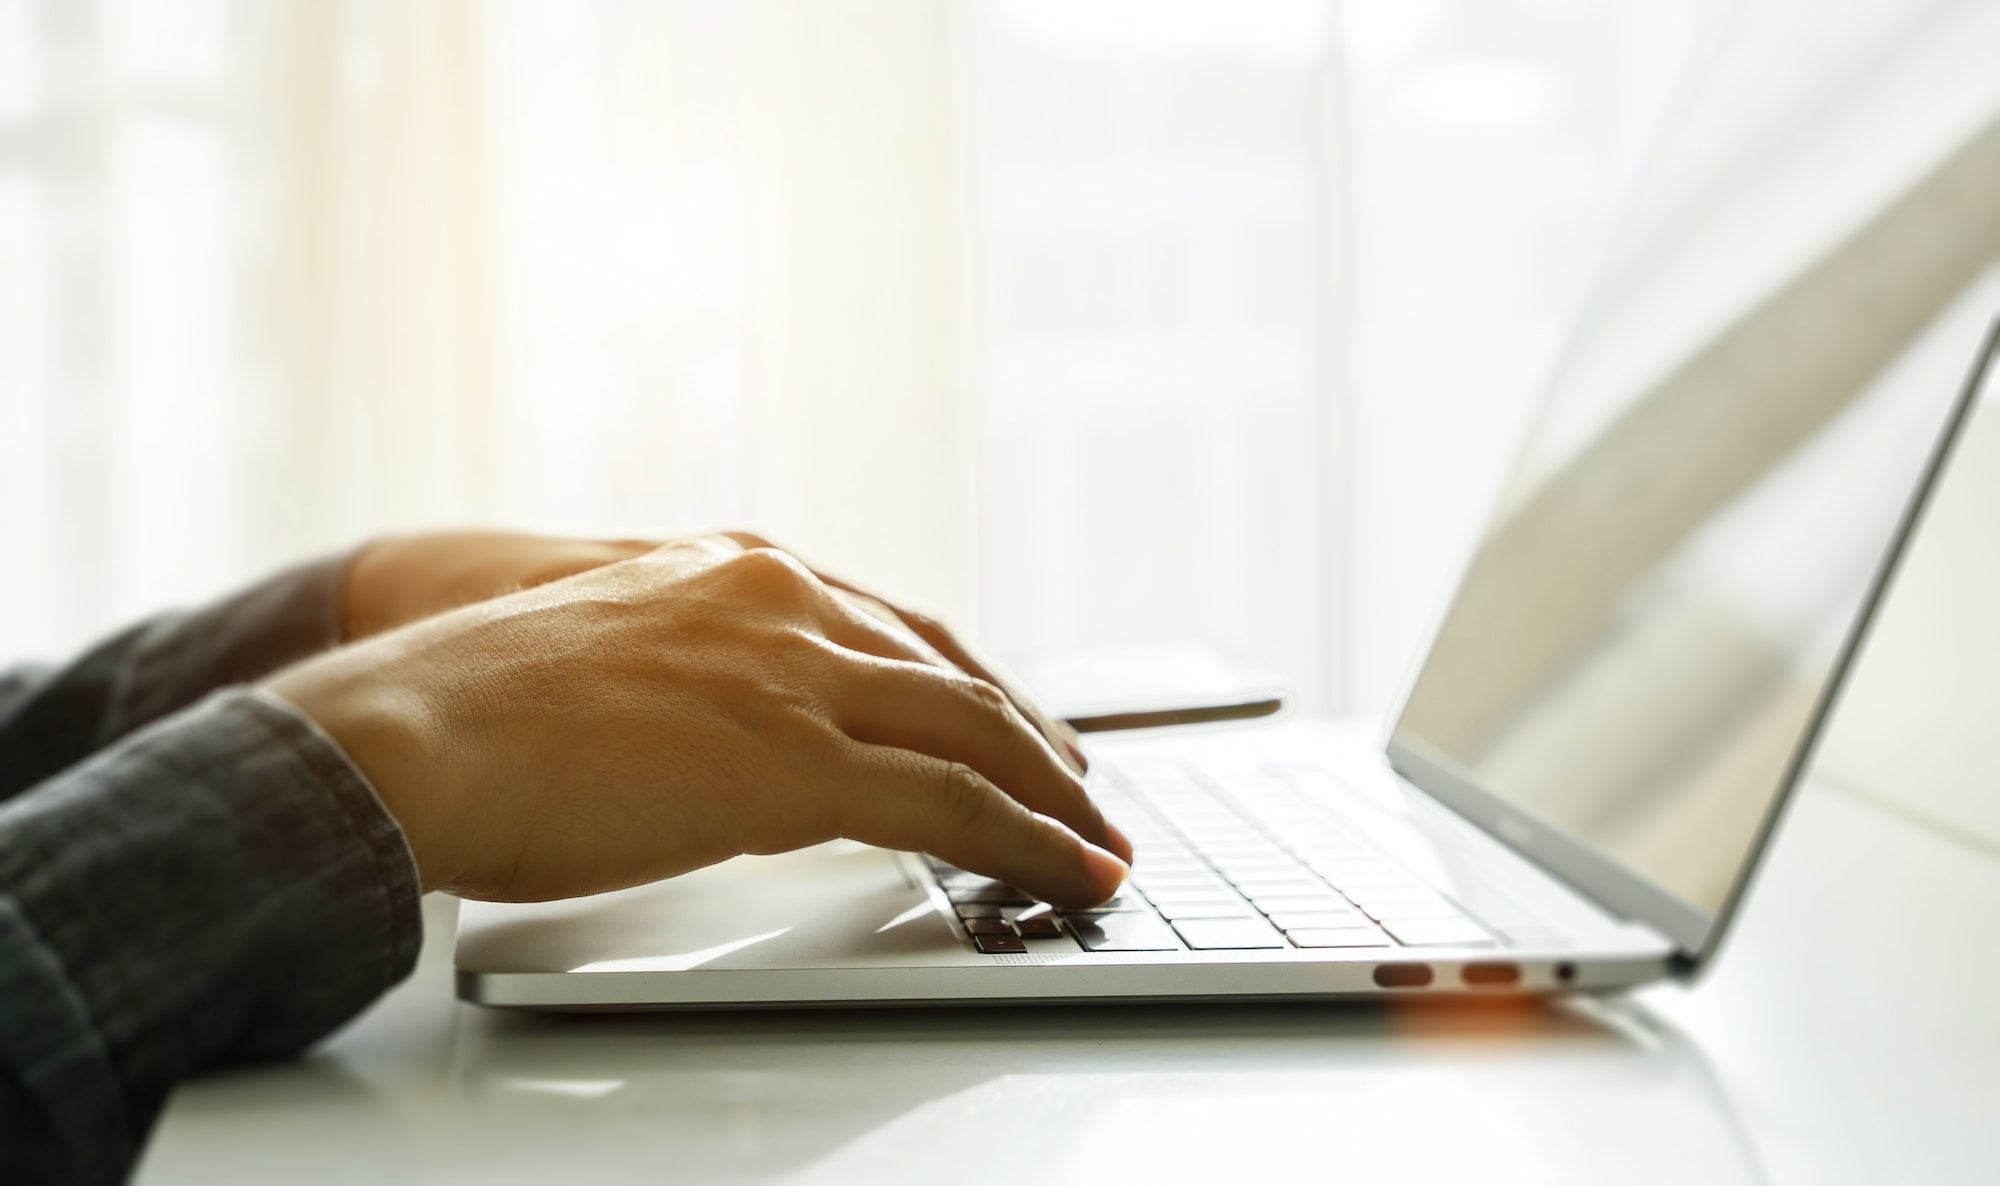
(1156, 326)
(1120, 324)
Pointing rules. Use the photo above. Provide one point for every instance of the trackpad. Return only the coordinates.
(838, 904)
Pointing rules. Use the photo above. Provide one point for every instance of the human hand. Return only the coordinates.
(401, 579)
(948, 648)
(668, 711)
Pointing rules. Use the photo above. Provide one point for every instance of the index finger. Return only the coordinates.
(918, 803)
(951, 715)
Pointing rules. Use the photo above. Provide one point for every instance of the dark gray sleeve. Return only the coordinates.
(220, 884)
(53, 717)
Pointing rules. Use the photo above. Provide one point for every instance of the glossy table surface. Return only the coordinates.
(1848, 1034)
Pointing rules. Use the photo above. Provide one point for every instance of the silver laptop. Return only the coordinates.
(1581, 779)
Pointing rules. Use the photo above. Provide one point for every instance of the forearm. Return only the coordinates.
(54, 717)
(145, 936)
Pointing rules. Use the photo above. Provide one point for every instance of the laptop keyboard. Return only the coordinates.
(1227, 861)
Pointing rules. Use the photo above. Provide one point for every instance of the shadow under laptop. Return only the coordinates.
(1497, 1091)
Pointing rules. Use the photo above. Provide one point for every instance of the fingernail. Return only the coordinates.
(1076, 753)
(1106, 871)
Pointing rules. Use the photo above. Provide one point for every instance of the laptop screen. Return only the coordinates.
(1645, 635)
(1648, 630)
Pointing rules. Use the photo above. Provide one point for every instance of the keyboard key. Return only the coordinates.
(999, 944)
(1157, 850)
(1177, 879)
(1273, 880)
(1295, 903)
(988, 926)
(1144, 870)
(1366, 896)
(1356, 866)
(1240, 865)
(1121, 902)
(1389, 878)
(1275, 863)
(1221, 934)
(1233, 908)
(987, 891)
(1294, 887)
(977, 910)
(1352, 864)
(1190, 879)
(1220, 846)
(1121, 932)
(1318, 920)
(1337, 937)
(1192, 897)
(1041, 926)
(1423, 932)
(1333, 846)
(1413, 910)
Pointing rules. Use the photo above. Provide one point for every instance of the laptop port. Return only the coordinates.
(1403, 975)
(1492, 972)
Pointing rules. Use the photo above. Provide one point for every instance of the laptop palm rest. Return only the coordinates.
(834, 905)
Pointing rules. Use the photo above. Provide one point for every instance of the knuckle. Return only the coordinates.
(793, 643)
(990, 697)
(814, 666)
(796, 714)
(963, 801)
(760, 562)
(771, 567)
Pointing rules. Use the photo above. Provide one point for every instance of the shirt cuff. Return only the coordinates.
(53, 718)
(222, 884)
(179, 658)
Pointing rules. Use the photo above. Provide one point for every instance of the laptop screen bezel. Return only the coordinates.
(1617, 887)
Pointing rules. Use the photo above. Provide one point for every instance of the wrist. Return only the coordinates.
(389, 732)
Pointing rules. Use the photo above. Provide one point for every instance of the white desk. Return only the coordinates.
(1848, 1035)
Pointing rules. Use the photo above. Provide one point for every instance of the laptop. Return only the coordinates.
(1582, 777)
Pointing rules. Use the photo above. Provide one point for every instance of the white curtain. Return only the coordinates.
(1033, 312)
(1018, 310)
(282, 276)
